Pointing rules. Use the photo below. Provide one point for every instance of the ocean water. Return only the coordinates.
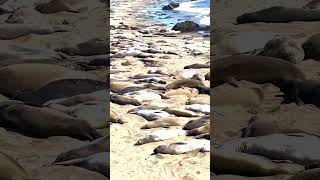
(197, 11)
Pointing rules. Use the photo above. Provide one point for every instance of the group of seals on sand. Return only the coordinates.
(275, 133)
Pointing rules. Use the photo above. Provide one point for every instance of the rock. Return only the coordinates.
(171, 6)
(186, 26)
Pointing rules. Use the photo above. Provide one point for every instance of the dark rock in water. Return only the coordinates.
(171, 6)
(61, 89)
(186, 26)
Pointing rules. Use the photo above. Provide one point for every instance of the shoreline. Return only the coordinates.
(132, 161)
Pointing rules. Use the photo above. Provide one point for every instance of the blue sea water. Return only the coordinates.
(197, 11)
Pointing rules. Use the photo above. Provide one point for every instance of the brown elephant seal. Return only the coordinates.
(11, 169)
(94, 46)
(65, 173)
(96, 146)
(200, 130)
(181, 147)
(123, 100)
(238, 163)
(311, 47)
(278, 14)
(191, 83)
(165, 122)
(293, 147)
(98, 162)
(55, 6)
(31, 76)
(61, 89)
(314, 4)
(257, 69)
(284, 48)
(307, 92)
(45, 122)
(13, 31)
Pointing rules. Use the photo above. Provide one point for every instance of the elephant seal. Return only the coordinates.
(11, 169)
(307, 92)
(257, 69)
(13, 31)
(78, 99)
(202, 108)
(181, 112)
(238, 163)
(192, 124)
(191, 83)
(294, 147)
(278, 14)
(96, 146)
(115, 118)
(284, 48)
(160, 135)
(94, 46)
(44, 123)
(61, 89)
(200, 130)
(31, 76)
(314, 4)
(165, 122)
(311, 47)
(55, 6)
(98, 162)
(197, 66)
(181, 147)
(66, 173)
(152, 115)
(123, 100)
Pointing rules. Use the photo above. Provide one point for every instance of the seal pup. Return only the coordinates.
(256, 69)
(283, 48)
(96, 146)
(11, 169)
(160, 135)
(294, 147)
(165, 122)
(278, 14)
(60, 89)
(98, 162)
(226, 162)
(44, 122)
(123, 100)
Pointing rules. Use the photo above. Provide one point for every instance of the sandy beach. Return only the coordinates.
(128, 24)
